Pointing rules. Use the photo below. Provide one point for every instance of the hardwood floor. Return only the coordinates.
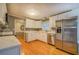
(37, 47)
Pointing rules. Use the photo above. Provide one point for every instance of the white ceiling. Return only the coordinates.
(38, 11)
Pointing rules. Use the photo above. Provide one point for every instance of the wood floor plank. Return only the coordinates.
(37, 47)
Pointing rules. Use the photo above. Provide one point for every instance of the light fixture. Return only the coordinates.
(32, 12)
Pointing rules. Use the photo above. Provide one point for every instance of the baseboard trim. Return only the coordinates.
(51, 44)
(37, 40)
(66, 51)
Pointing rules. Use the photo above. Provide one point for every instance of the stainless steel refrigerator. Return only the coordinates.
(66, 36)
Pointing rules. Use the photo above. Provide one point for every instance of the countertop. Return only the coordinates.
(8, 41)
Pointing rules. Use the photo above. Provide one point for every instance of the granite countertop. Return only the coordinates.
(8, 41)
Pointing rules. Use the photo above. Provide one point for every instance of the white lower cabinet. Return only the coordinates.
(36, 35)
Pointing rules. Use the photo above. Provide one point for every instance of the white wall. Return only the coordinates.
(3, 10)
(18, 24)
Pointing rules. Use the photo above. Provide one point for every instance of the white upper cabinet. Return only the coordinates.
(52, 21)
(3, 11)
(29, 23)
(37, 24)
(33, 24)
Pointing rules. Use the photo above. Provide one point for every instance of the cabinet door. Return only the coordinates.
(52, 21)
(3, 11)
